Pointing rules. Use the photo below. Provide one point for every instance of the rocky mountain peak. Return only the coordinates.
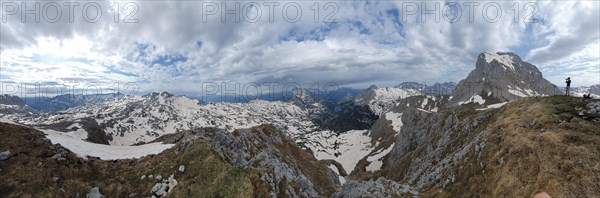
(412, 85)
(500, 77)
(373, 86)
(363, 97)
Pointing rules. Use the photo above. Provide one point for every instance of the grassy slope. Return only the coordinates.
(289, 152)
(30, 169)
(545, 145)
(534, 144)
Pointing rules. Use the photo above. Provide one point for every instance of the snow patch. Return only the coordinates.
(375, 160)
(492, 106)
(497, 105)
(473, 99)
(423, 110)
(7, 120)
(517, 92)
(83, 149)
(506, 60)
(396, 119)
(353, 146)
(334, 168)
(424, 103)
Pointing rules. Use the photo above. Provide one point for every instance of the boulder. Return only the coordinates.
(95, 193)
(4, 155)
(160, 189)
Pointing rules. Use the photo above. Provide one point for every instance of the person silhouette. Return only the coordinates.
(568, 89)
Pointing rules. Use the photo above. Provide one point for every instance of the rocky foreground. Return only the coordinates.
(206, 162)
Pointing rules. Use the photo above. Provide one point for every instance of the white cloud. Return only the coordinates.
(370, 44)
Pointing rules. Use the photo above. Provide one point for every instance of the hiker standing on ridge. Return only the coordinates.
(568, 85)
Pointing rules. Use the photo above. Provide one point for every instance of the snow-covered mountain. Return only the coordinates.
(593, 90)
(136, 120)
(311, 122)
(501, 77)
(380, 100)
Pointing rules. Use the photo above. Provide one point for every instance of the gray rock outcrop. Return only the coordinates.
(431, 140)
(288, 169)
(95, 193)
(375, 188)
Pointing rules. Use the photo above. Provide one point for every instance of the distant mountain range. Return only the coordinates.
(14, 105)
(66, 101)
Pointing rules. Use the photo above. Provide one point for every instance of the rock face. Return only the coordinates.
(383, 127)
(285, 167)
(501, 77)
(439, 89)
(419, 129)
(496, 152)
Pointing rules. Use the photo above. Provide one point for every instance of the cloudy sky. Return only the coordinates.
(179, 46)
